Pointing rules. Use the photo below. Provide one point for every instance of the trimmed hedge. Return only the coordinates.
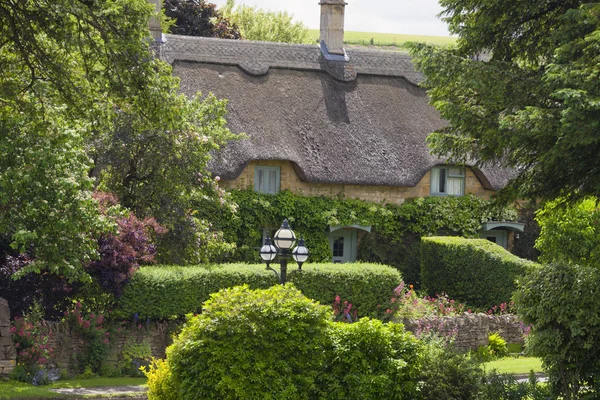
(365, 286)
(474, 271)
(162, 292)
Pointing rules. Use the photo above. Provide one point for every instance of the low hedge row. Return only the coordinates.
(475, 271)
(368, 287)
(162, 292)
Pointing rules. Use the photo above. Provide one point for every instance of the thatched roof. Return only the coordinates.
(360, 122)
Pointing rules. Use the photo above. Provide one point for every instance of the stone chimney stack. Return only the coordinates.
(332, 26)
(155, 30)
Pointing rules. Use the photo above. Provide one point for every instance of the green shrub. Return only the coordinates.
(370, 360)
(449, 375)
(505, 387)
(495, 348)
(262, 344)
(161, 292)
(366, 286)
(497, 345)
(562, 302)
(278, 344)
(570, 232)
(160, 381)
(474, 271)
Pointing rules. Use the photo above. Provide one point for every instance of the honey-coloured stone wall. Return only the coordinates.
(8, 352)
(373, 193)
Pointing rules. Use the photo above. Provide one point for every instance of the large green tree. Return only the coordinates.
(72, 74)
(268, 26)
(521, 90)
(199, 18)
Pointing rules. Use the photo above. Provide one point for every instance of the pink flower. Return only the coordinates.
(337, 298)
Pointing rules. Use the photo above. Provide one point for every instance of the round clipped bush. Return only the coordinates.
(248, 344)
(370, 360)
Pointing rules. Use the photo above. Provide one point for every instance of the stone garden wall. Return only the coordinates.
(472, 330)
(8, 353)
(69, 344)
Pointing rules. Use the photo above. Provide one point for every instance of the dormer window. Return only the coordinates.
(266, 179)
(447, 181)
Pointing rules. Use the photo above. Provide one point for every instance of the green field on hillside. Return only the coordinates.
(387, 39)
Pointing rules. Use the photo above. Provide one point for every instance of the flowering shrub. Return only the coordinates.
(32, 340)
(502, 309)
(343, 312)
(435, 329)
(91, 326)
(405, 303)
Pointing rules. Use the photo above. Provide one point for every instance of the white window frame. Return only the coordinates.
(450, 172)
(264, 186)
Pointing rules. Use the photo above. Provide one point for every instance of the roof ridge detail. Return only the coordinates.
(256, 58)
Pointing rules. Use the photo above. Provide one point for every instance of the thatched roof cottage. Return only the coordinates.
(324, 120)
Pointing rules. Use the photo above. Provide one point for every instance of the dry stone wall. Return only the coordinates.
(68, 344)
(472, 330)
(8, 352)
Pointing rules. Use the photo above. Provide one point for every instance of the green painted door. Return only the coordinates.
(343, 245)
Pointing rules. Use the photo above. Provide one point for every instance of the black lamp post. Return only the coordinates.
(283, 241)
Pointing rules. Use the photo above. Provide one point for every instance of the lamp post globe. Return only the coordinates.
(300, 253)
(285, 237)
(268, 252)
(283, 240)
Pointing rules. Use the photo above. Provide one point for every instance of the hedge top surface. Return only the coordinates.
(160, 292)
(480, 245)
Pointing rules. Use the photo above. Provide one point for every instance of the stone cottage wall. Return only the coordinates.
(8, 352)
(377, 194)
(68, 344)
(472, 330)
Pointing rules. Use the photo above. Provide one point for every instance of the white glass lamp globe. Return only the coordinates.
(284, 238)
(268, 251)
(300, 252)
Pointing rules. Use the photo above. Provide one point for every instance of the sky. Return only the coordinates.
(417, 17)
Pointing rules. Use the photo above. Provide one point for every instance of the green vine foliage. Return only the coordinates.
(396, 228)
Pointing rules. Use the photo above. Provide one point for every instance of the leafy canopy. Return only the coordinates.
(76, 77)
(570, 233)
(533, 104)
(268, 26)
(199, 18)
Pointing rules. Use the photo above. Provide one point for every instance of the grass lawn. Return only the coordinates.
(515, 365)
(19, 390)
(387, 39)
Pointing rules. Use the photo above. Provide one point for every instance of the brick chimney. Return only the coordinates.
(155, 30)
(332, 26)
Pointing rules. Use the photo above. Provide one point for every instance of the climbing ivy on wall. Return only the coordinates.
(312, 217)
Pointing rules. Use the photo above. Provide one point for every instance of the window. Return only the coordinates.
(266, 179)
(447, 181)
